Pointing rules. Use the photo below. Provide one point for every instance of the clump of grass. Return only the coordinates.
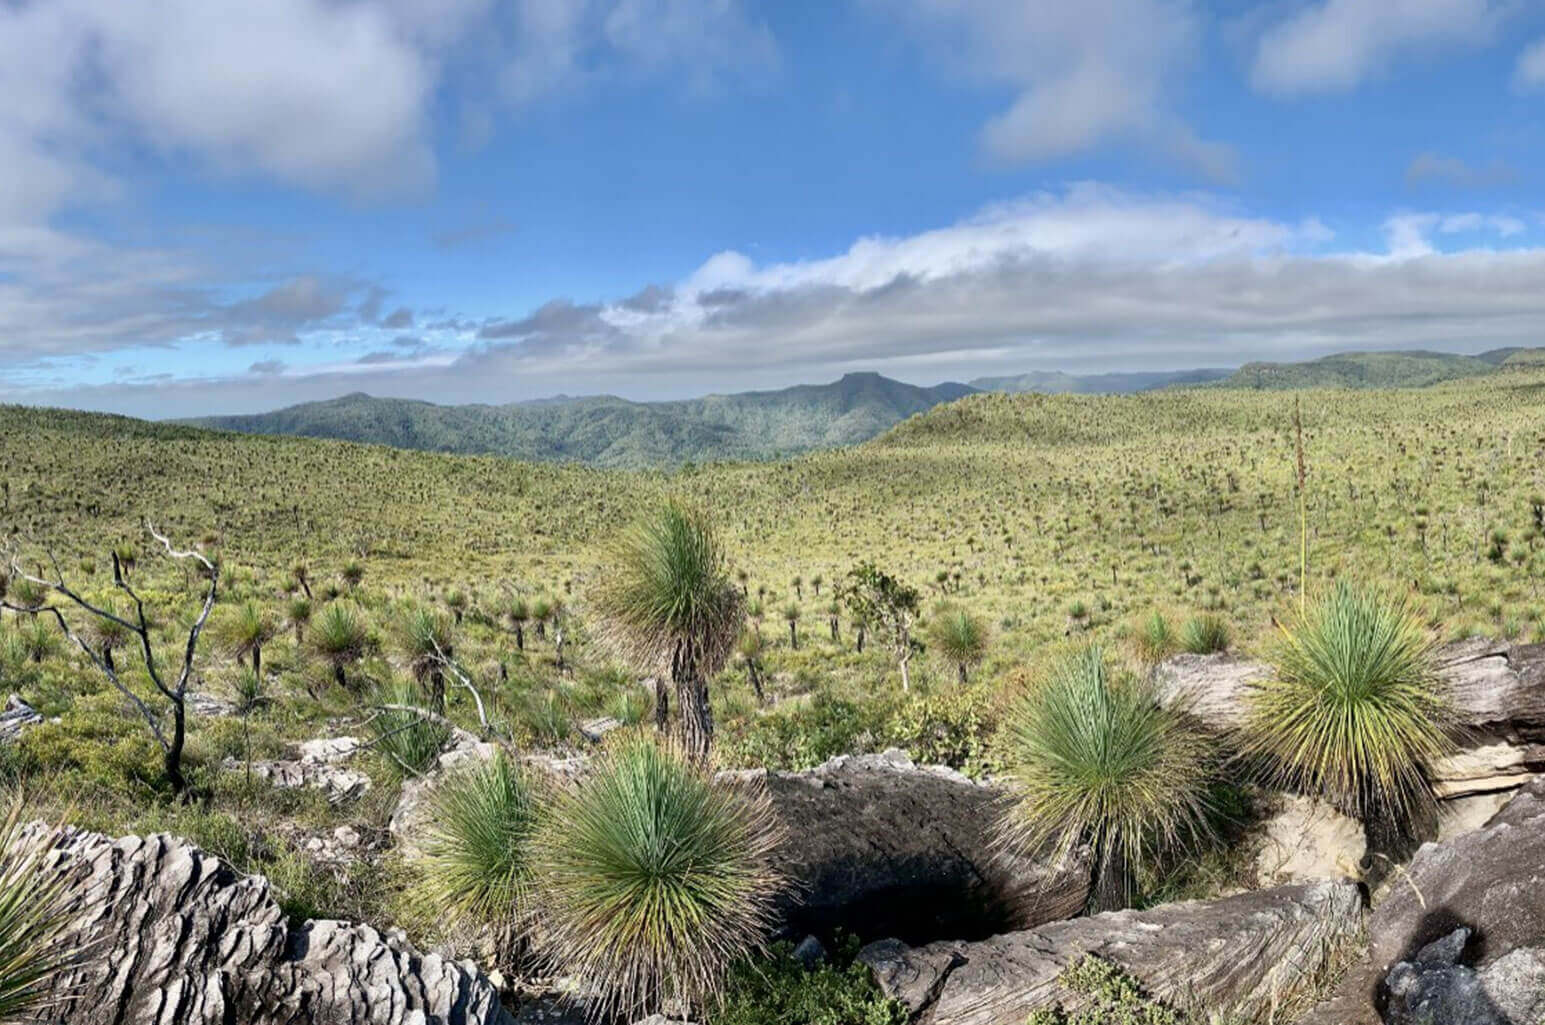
(478, 849)
(1100, 761)
(341, 638)
(1113, 998)
(409, 740)
(1205, 634)
(655, 879)
(1156, 639)
(779, 990)
(1355, 711)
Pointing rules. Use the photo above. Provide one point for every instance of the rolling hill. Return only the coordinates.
(1371, 370)
(614, 432)
(1055, 382)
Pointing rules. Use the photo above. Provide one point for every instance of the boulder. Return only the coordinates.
(1436, 988)
(1246, 955)
(1490, 881)
(410, 819)
(881, 847)
(177, 937)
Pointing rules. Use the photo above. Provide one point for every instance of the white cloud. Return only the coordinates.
(1529, 73)
(1334, 45)
(1085, 74)
(1432, 167)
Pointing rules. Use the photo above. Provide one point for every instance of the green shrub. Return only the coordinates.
(959, 637)
(1101, 761)
(654, 879)
(1114, 998)
(478, 849)
(778, 990)
(806, 735)
(1354, 712)
(1156, 639)
(1205, 634)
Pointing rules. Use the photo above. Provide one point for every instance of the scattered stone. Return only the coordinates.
(180, 938)
(810, 953)
(340, 784)
(1247, 954)
(209, 706)
(329, 750)
(1215, 685)
(16, 716)
(1308, 840)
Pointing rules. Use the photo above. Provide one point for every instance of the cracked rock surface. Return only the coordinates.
(1245, 954)
(174, 936)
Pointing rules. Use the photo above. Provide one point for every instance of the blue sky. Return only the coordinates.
(213, 206)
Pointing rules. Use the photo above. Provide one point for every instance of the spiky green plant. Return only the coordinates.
(427, 642)
(1156, 639)
(1205, 634)
(298, 612)
(33, 921)
(959, 637)
(340, 637)
(246, 630)
(668, 605)
(1101, 761)
(478, 851)
(1355, 711)
(409, 740)
(655, 879)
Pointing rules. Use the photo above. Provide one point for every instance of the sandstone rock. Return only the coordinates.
(1460, 815)
(1215, 685)
(1486, 768)
(179, 938)
(885, 848)
(1490, 881)
(1244, 955)
(1435, 988)
(1307, 840)
(410, 819)
(208, 706)
(340, 784)
(16, 716)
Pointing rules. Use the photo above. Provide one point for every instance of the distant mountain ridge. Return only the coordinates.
(608, 431)
(605, 430)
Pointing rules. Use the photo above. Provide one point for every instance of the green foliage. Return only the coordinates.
(340, 636)
(409, 741)
(655, 879)
(1362, 370)
(426, 640)
(33, 917)
(478, 850)
(1354, 712)
(1205, 634)
(1099, 760)
(778, 990)
(1112, 997)
(1156, 639)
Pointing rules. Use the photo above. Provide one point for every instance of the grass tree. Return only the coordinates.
(655, 879)
(1100, 761)
(959, 637)
(298, 612)
(428, 645)
(34, 917)
(669, 606)
(1205, 634)
(750, 651)
(519, 612)
(340, 637)
(791, 617)
(478, 850)
(247, 629)
(1355, 712)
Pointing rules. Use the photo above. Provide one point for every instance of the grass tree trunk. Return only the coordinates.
(1108, 891)
(338, 676)
(520, 638)
(793, 635)
(861, 633)
(694, 716)
(173, 760)
(756, 682)
(662, 704)
(257, 662)
(960, 668)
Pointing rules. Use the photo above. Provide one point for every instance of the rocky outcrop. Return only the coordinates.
(881, 847)
(1243, 955)
(173, 936)
(319, 763)
(1490, 881)
(876, 846)
(1436, 988)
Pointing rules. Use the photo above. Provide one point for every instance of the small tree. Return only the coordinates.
(877, 598)
(959, 637)
(791, 616)
(519, 612)
(427, 645)
(340, 637)
(249, 628)
(137, 624)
